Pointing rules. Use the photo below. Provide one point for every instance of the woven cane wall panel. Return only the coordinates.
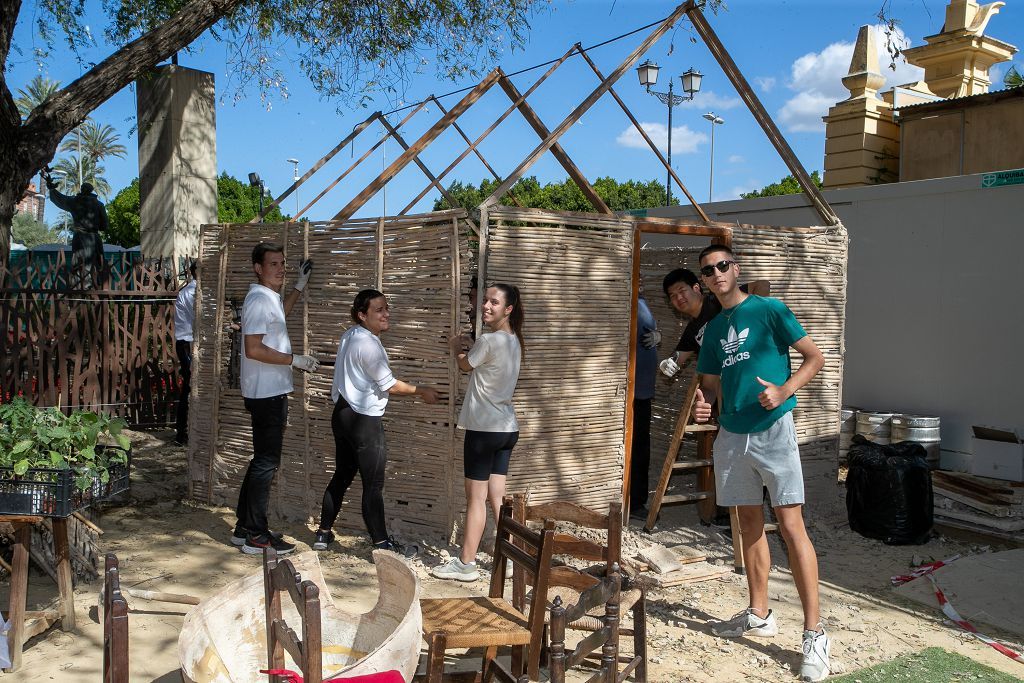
(418, 262)
(573, 270)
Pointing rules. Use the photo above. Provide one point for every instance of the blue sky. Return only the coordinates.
(793, 52)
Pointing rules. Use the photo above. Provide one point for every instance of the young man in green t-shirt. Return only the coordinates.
(744, 361)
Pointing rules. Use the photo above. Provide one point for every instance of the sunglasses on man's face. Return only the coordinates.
(708, 271)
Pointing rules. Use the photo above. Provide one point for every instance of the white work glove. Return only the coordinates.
(669, 367)
(305, 363)
(305, 270)
(651, 339)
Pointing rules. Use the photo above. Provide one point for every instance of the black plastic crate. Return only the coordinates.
(52, 492)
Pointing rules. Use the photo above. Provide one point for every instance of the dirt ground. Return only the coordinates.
(167, 544)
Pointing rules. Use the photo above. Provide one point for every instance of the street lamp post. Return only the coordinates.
(648, 75)
(256, 181)
(295, 177)
(715, 121)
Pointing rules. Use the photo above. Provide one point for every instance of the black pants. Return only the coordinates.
(184, 351)
(358, 447)
(640, 460)
(269, 416)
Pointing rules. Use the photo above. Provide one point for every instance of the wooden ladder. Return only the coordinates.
(703, 465)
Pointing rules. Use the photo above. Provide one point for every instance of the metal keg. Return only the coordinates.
(874, 426)
(919, 429)
(847, 428)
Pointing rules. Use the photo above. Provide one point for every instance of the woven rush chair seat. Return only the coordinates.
(594, 619)
(475, 622)
(493, 621)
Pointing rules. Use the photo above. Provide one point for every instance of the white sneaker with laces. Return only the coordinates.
(456, 569)
(816, 647)
(746, 623)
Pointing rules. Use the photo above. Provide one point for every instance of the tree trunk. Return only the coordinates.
(27, 147)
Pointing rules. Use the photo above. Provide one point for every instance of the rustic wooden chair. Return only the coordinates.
(606, 591)
(633, 598)
(115, 625)
(280, 576)
(492, 621)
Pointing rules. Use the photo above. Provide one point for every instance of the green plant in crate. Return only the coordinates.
(33, 438)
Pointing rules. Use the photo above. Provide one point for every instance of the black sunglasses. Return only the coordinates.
(708, 271)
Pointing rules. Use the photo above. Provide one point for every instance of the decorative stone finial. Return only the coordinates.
(864, 79)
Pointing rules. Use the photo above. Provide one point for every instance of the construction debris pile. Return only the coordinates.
(990, 506)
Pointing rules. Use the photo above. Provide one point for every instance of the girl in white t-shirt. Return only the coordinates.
(488, 418)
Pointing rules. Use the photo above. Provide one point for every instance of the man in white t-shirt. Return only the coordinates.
(266, 379)
(184, 316)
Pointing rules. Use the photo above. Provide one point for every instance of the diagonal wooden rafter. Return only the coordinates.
(647, 138)
(556, 149)
(480, 138)
(584, 106)
(316, 167)
(476, 151)
(704, 30)
(417, 147)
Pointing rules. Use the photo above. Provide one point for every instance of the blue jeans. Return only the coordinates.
(269, 417)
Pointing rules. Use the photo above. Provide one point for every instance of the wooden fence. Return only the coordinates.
(98, 341)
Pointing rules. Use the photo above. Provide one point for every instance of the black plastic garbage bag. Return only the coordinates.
(889, 492)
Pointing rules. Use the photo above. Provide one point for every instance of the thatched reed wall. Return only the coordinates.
(574, 272)
(807, 270)
(416, 261)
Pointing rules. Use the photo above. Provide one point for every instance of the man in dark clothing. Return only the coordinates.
(89, 219)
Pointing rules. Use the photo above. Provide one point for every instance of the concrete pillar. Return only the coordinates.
(177, 159)
(861, 140)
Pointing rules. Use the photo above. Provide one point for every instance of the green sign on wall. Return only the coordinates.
(1015, 177)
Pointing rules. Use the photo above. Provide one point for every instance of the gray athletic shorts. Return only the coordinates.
(746, 462)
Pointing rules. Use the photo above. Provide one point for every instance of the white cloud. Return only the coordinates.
(684, 140)
(817, 79)
(712, 100)
(765, 83)
(736, 159)
(735, 191)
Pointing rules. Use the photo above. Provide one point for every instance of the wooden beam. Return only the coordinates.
(316, 167)
(584, 106)
(556, 149)
(379, 117)
(491, 128)
(647, 138)
(476, 151)
(402, 161)
(744, 90)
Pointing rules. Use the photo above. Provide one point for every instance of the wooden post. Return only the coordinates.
(62, 562)
(19, 594)
(631, 373)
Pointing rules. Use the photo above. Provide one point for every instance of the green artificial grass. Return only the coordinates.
(934, 665)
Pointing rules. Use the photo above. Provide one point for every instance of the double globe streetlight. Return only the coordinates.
(715, 121)
(648, 75)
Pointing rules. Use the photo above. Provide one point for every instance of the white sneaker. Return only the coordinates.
(816, 648)
(457, 570)
(746, 623)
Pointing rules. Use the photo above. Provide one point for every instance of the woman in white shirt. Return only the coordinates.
(362, 384)
(488, 418)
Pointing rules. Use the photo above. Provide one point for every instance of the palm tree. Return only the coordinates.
(35, 93)
(92, 172)
(99, 141)
(1013, 78)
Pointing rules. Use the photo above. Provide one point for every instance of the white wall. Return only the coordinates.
(934, 315)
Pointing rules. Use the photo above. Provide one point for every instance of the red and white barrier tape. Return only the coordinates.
(923, 570)
(950, 611)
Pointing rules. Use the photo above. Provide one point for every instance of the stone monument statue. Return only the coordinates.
(89, 219)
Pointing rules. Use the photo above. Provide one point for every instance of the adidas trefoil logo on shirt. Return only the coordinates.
(734, 341)
(731, 344)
